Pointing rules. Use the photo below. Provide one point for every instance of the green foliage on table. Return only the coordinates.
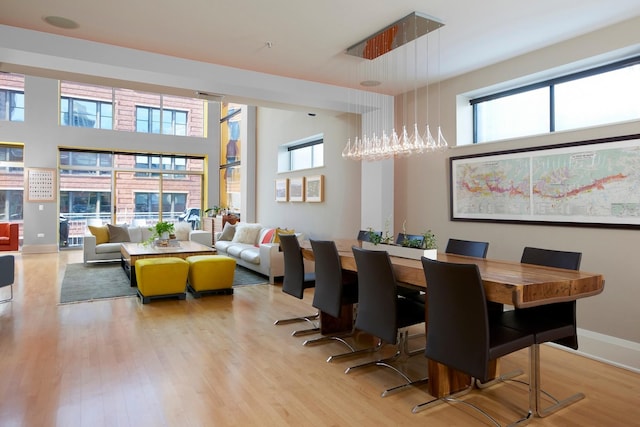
(429, 240)
(162, 227)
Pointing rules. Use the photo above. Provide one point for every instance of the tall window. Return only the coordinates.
(11, 182)
(12, 97)
(230, 157)
(156, 120)
(92, 106)
(603, 95)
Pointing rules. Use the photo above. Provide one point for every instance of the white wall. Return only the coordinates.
(339, 215)
(423, 189)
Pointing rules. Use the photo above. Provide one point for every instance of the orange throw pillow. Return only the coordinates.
(280, 232)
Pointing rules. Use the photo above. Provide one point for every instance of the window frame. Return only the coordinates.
(71, 114)
(550, 84)
(287, 151)
(161, 121)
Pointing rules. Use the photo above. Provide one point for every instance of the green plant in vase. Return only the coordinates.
(374, 237)
(163, 229)
(429, 240)
(212, 211)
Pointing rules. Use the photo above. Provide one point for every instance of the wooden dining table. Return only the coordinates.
(507, 282)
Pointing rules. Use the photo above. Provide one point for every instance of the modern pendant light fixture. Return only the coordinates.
(385, 143)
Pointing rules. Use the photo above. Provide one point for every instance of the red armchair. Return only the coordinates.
(8, 236)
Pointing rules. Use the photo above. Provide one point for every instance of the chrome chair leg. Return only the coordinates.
(328, 338)
(535, 390)
(297, 319)
(402, 352)
(11, 295)
(401, 387)
(509, 376)
(455, 398)
(354, 353)
(302, 332)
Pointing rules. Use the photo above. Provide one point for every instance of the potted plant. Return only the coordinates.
(162, 229)
(430, 245)
(408, 248)
(212, 211)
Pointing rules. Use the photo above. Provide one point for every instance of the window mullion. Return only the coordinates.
(552, 108)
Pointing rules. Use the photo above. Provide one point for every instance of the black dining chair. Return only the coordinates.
(549, 323)
(295, 281)
(460, 333)
(467, 248)
(335, 288)
(382, 313)
(7, 274)
(475, 249)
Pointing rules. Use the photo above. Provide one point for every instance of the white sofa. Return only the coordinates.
(110, 251)
(252, 246)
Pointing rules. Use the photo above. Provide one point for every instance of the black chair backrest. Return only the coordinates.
(414, 240)
(294, 277)
(328, 290)
(563, 312)
(467, 248)
(376, 295)
(551, 258)
(7, 270)
(365, 235)
(458, 325)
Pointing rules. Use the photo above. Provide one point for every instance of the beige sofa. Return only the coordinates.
(255, 247)
(110, 250)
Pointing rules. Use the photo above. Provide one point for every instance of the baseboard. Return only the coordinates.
(39, 249)
(605, 348)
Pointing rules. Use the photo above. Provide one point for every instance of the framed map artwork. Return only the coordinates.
(589, 183)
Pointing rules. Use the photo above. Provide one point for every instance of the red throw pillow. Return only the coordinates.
(268, 236)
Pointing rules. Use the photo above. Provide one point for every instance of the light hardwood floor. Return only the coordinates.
(220, 361)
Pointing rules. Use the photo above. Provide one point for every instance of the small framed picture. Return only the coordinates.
(296, 189)
(314, 188)
(282, 190)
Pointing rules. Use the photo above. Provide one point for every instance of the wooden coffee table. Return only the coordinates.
(131, 252)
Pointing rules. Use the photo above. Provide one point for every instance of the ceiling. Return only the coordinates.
(307, 40)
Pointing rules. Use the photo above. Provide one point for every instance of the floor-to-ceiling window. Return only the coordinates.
(230, 157)
(125, 188)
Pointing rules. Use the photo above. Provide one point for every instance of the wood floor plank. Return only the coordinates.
(220, 361)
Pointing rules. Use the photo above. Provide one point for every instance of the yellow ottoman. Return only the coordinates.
(210, 274)
(161, 278)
